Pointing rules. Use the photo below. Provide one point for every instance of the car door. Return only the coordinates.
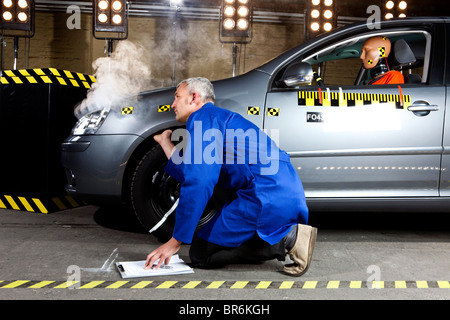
(362, 141)
(445, 170)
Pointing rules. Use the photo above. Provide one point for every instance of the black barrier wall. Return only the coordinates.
(36, 115)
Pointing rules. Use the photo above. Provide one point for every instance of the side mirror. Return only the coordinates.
(299, 73)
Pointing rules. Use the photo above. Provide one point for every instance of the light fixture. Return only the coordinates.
(17, 15)
(321, 17)
(235, 25)
(110, 16)
(235, 22)
(394, 8)
(110, 21)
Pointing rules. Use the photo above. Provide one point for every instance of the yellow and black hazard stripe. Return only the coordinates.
(199, 284)
(46, 76)
(164, 108)
(38, 204)
(338, 99)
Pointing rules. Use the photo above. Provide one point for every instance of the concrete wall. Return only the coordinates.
(198, 50)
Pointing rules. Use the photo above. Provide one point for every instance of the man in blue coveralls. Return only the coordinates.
(266, 219)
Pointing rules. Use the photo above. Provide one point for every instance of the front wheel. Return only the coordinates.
(153, 193)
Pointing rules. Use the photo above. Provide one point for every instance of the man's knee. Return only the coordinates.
(200, 253)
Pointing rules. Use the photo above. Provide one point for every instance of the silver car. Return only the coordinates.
(355, 146)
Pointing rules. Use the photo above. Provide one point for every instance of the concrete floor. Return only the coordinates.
(357, 257)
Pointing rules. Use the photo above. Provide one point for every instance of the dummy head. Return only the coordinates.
(375, 49)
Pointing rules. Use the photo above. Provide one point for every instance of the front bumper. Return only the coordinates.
(95, 165)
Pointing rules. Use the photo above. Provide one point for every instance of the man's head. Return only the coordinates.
(190, 96)
(373, 50)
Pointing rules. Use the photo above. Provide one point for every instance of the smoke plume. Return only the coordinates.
(121, 75)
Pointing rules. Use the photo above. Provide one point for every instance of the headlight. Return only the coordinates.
(90, 123)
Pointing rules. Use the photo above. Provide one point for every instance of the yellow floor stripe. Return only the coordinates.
(263, 284)
(377, 284)
(2, 205)
(117, 284)
(215, 284)
(191, 284)
(286, 285)
(15, 284)
(333, 284)
(141, 284)
(40, 284)
(91, 284)
(310, 285)
(195, 284)
(239, 285)
(422, 284)
(355, 284)
(166, 284)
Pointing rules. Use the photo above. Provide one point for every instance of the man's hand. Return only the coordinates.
(163, 253)
(164, 141)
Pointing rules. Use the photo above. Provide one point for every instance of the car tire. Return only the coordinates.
(153, 192)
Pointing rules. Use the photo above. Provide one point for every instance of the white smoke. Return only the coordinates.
(122, 74)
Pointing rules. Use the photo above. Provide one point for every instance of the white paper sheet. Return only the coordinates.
(134, 269)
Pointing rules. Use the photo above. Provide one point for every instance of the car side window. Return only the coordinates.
(340, 72)
(339, 64)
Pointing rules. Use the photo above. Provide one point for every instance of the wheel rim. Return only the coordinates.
(164, 192)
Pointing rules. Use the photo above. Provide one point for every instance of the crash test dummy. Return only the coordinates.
(265, 219)
(374, 54)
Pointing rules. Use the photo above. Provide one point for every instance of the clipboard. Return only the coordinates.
(135, 269)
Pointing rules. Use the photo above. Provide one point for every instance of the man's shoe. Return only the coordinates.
(301, 252)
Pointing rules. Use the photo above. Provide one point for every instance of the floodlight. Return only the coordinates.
(236, 19)
(17, 15)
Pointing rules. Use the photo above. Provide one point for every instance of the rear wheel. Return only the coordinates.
(153, 192)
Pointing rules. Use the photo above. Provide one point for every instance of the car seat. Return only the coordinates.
(404, 59)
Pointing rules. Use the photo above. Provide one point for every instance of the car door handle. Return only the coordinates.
(422, 106)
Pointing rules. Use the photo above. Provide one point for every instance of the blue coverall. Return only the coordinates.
(270, 197)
